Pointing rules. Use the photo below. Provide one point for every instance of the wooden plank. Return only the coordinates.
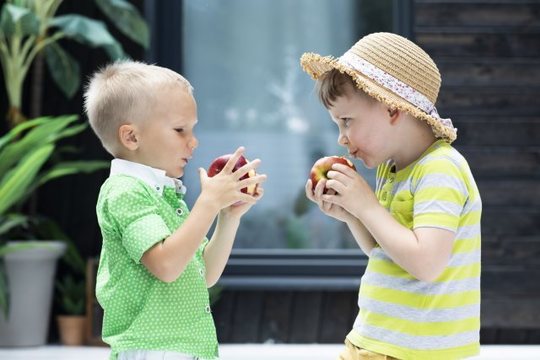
(511, 221)
(305, 317)
(477, 14)
(223, 310)
(489, 71)
(336, 317)
(477, 30)
(533, 336)
(498, 131)
(509, 192)
(488, 336)
(496, 161)
(277, 312)
(512, 336)
(463, 2)
(475, 45)
(247, 317)
(511, 250)
(513, 101)
(517, 282)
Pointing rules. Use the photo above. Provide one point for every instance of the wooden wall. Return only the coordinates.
(489, 55)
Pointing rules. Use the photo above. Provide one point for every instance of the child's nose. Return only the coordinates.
(194, 143)
(342, 139)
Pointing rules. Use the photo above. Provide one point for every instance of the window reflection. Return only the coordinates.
(242, 57)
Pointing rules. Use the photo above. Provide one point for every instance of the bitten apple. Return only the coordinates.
(321, 167)
(219, 163)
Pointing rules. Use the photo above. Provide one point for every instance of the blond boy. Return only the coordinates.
(155, 263)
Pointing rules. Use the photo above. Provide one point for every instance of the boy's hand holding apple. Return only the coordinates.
(232, 181)
(316, 186)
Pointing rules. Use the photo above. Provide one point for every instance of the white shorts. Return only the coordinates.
(153, 355)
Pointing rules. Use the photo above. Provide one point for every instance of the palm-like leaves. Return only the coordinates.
(24, 152)
(28, 27)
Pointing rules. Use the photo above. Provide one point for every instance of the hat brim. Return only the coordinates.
(316, 65)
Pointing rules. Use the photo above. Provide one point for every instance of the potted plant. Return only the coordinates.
(72, 322)
(71, 296)
(27, 267)
(30, 33)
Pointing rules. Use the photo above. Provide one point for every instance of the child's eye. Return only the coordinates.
(179, 130)
(346, 121)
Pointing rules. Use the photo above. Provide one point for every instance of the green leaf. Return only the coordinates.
(72, 130)
(18, 21)
(14, 133)
(89, 32)
(70, 168)
(74, 259)
(127, 19)
(64, 69)
(12, 221)
(15, 183)
(45, 133)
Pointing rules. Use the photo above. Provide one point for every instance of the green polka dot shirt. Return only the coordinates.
(138, 206)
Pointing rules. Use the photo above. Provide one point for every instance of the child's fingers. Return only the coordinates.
(257, 179)
(344, 169)
(203, 175)
(246, 198)
(319, 189)
(229, 166)
(252, 165)
(339, 187)
(259, 193)
(338, 175)
(309, 190)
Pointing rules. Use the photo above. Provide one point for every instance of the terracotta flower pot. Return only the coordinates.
(72, 329)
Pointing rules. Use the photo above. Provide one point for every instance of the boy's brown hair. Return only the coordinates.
(331, 85)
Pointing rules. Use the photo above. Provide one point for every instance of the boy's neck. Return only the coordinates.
(412, 150)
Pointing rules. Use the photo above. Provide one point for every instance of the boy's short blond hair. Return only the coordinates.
(125, 92)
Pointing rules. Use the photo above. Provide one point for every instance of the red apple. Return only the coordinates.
(321, 167)
(219, 163)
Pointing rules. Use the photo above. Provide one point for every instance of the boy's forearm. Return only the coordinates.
(399, 242)
(361, 235)
(219, 248)
(168, 259)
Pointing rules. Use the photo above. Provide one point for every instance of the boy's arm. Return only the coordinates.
(168, 259)
(424, 252)
(363, 238)
(219, 248)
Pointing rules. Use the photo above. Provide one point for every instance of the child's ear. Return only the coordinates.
(128, 136)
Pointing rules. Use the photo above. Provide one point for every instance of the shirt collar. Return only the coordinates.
(156, 178)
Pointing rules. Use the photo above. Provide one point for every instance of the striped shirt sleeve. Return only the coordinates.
(440, 194)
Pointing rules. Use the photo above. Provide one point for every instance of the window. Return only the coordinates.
(242, 57)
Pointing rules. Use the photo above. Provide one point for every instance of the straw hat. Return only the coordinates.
(393, 70)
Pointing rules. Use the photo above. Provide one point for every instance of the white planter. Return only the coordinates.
(30, 275)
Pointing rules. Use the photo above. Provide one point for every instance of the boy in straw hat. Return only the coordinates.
(156, 264)
(420, 295)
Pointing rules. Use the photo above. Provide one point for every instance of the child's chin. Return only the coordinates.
(176, 174)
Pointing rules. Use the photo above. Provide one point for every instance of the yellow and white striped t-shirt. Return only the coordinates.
(407, 318)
